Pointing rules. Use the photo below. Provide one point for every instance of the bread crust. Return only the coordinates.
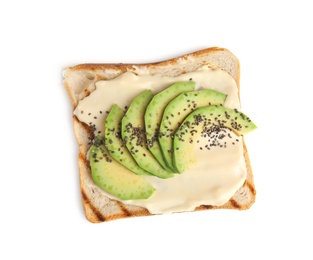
(79, 82)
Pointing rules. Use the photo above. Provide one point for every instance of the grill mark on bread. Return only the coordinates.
(206, 207)
(86, 162)
(99, 77)
(251, 187)
(126, 213)
(94, 210)
(87, 92)
(234, 203)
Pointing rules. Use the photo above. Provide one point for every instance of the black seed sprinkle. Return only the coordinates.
(89, 114)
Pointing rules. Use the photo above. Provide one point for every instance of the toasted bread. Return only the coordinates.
(79, 82)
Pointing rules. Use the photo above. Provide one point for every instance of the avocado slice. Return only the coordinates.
(154, 113)
(133, 134)
(177, 110)
(205, 121)
(114, 178)
(115, 144)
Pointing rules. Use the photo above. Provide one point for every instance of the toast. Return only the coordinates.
(79, 82)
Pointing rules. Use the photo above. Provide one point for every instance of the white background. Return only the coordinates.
(41, 215)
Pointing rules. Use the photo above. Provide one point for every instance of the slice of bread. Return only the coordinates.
(79, 82)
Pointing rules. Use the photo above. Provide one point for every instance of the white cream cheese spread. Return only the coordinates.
(218, 173)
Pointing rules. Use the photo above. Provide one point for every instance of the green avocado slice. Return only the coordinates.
(204, 121)
(154, 113)
(114, 178)
(133, 134)
(177, 110)
(115, 144)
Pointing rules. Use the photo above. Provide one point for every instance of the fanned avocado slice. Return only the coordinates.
(177, 110)
(133, 134)
(114, 178)
(204, 121)
(115, 144)
(154, 113)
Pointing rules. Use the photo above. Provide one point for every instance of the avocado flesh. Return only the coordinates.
(153, 117)
(133, 134)
(204, 121)
(114, 142)
(177, 110)
(114, 178)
